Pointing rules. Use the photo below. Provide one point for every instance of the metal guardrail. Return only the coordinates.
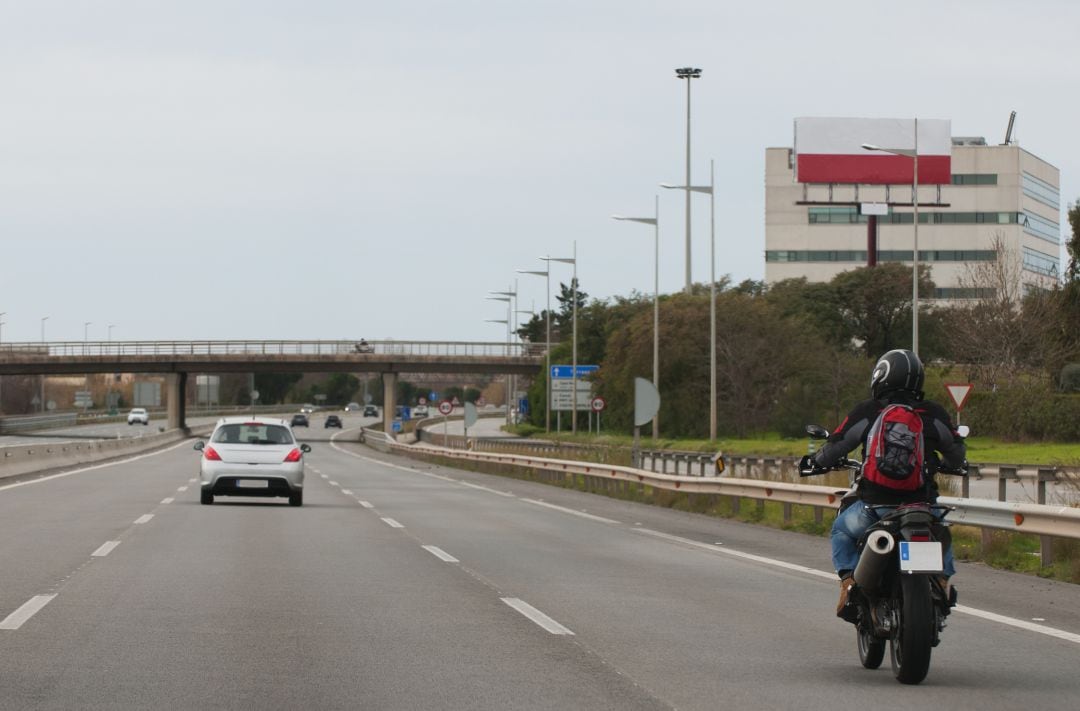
(29, 423)
(269, 347)
(1037, 519)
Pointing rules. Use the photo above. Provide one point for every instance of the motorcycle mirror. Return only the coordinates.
(817, 432)
(963, 431)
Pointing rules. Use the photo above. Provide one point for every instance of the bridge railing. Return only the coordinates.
(269, 347)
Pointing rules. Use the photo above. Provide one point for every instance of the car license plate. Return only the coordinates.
(252, 483)
(920, 556)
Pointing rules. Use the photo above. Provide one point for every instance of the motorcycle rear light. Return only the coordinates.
(920, 537)
(212, 455)
(293, 456)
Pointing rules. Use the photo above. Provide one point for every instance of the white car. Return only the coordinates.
(352, 407)
(140, 415)
(307, 409)
(252, 456)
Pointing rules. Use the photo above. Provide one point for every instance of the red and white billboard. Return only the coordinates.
(830, 150)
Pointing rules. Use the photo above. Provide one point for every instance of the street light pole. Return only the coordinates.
(508, 297)
(2, 314)
(655, 222)
(709, 189)
(547, 350)
(43, 320)
(912, 153)
(688, 73)
(573, 293)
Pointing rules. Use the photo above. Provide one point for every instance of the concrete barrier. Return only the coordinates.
(22, 459)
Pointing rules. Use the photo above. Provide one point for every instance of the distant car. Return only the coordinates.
(352, 407)
(299, 421)
(332, 421)
(308, 409)
(139, 415)
(252, 456)
(371, 411)
(419, 411)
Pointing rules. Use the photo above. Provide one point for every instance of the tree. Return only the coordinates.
(273, 387)
(1072, 271)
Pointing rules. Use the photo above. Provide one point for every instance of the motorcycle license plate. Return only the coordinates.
(920, 556)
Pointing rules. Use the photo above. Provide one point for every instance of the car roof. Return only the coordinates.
(243, 420)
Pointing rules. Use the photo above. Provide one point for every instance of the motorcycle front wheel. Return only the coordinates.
(871, 648)
(913, 641)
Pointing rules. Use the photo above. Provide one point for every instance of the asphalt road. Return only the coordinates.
(403, 585)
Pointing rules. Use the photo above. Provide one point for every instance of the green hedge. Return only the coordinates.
(1029, 413)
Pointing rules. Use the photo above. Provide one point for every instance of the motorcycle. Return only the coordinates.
(900, 595)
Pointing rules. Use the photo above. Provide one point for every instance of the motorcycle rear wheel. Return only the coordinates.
(911, 646)
(871, 648)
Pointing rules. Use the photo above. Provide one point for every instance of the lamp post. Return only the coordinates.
(688, 73)
(655, 222)
(547, 348)
(505, 296)
(43, 320)
(573, 328)
(912, 153)
(2, 314)
(109, 377)
(709, 189)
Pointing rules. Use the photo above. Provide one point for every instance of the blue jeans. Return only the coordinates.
(849, 527)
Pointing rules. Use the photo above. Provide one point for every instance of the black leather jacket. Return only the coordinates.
(939, 436)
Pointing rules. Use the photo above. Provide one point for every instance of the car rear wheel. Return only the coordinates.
(206, 497)
(296, 498)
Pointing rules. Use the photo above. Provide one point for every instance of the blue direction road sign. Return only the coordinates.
(559, 372)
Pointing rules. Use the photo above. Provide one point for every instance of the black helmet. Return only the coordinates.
(897, 370)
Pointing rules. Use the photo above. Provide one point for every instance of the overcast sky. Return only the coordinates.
(316, 169)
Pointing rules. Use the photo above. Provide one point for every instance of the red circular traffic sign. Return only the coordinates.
(446, 407)
(598, 403)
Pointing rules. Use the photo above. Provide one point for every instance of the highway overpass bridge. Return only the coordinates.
(179, 359)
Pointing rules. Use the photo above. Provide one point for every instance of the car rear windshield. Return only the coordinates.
(252, 433)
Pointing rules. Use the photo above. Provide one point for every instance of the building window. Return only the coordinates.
(884, 255)
(964, 293)
(1041, 227)
(1041, 190)
(851, 216)
(974, 179)
(1040, 263)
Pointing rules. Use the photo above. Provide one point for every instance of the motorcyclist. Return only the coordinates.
(898, 378)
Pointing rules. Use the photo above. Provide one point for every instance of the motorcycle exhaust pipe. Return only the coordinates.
(874, 558)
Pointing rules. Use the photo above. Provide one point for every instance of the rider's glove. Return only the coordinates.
(807, 465)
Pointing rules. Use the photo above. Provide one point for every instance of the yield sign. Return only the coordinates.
(959, 393)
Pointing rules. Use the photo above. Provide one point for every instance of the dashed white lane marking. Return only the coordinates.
(168, 500)
(144, 518)
(105, 549)
(366, 504)
(441, 554)
(333, 483)
(182, 488)
(192, 481)
(392, 523)
(346, 492)
(582, 514)
(324, 476)
(536, 616)
(29, 608)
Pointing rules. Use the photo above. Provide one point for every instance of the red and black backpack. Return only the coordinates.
(895, 449)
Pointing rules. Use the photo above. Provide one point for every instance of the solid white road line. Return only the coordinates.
(536, 616)
(61, 475)
(441, 554)
(484, 488)
(582, 514)
(1022, 624)
(16, 619)
(105, 549)
(145, 518)
(392, 523)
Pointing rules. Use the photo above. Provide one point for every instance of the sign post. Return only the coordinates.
(958, 393)
(598, 404)
(445, 408)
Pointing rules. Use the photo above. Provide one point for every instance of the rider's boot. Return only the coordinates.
(845, 588)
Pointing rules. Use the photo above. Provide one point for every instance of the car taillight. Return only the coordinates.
(293, 456)
(210, 454)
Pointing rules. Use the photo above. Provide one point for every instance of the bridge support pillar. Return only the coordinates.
(176, 384)
(389, 381)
